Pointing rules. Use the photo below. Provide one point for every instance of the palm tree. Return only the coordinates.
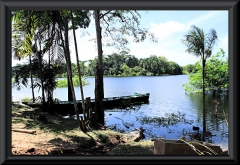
(200, 44)
(17, 55)
(40, 27)
(38, 24)
(18, 52)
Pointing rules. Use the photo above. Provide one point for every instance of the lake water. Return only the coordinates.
(167, 96)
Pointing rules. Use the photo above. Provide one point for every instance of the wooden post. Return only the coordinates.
(83, 125)
(140, 134)
(88, 107)
(89, 110)
(90, 117)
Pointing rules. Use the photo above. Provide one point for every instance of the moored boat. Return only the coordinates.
(64, 107)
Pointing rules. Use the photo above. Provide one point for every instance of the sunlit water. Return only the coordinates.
(167, 95)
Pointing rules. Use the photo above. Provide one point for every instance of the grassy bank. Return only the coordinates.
(64, 83)
(56, 131)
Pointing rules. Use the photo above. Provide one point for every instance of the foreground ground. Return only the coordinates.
(58, 136)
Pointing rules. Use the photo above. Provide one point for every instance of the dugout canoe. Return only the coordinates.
(64, 107)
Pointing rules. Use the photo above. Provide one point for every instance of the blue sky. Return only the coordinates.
(169, 27)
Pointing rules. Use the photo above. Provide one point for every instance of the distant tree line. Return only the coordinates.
(123, 64)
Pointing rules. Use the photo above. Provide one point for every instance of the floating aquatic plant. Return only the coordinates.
(170, 119)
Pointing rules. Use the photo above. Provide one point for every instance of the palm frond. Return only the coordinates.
(210, 40)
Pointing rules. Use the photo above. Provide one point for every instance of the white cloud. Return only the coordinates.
(164, 30)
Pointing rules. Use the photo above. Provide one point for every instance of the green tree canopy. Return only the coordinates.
(216, 77)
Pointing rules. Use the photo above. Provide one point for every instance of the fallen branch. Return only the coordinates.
(24, 131)
(86, 123)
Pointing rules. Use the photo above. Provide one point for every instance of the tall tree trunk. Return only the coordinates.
(78, 67)
(203, 97)
(99, 91)
(30, 61)
(70, 95)
(68, 62)
(70, 98)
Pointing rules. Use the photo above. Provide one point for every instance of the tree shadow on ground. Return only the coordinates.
(84, 142)
(53, 123)
(75, 146)
(103, 138)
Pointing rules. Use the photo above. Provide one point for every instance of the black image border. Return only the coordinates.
(232, 6)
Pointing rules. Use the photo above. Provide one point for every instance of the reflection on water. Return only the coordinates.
(166, 96)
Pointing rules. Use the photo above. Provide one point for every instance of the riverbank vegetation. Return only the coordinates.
(64, 83)
(216, 75)
(21, 76)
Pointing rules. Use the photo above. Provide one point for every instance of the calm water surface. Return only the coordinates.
(167, 95)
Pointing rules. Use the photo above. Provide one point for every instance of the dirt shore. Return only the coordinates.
(60, 136)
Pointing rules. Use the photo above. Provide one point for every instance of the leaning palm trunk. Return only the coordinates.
(78, 67)
(67, 54)
(99, 92)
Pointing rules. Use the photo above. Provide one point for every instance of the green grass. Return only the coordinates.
(63, 83)
(26, 99)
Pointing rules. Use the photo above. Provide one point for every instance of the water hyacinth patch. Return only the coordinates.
(170, 119)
